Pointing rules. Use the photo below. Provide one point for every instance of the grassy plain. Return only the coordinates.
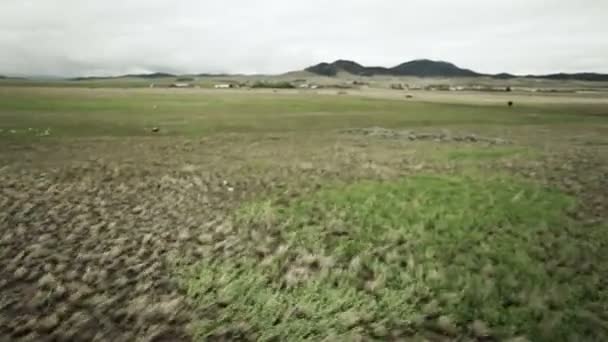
(261, 215)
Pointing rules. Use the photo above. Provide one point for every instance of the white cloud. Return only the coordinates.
(75, 37)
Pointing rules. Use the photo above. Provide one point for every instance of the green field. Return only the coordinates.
(131, 112)
(297, 215)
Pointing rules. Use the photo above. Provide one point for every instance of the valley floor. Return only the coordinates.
(288, 216)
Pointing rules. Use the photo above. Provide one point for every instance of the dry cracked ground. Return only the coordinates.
(92, 231)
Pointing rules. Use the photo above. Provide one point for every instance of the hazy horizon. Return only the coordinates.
(68, 38)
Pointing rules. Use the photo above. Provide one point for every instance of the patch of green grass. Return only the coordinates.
(423, 253)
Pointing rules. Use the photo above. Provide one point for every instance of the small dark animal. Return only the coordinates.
(510, 103)
(155, 129)
(409, 96)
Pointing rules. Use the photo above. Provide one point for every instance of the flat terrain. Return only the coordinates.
(302, 215)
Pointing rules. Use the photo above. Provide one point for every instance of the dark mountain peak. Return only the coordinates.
(424, 61)
(419, 67)
(346, 64)
(504, 76)
(332, 69)
(430, 68)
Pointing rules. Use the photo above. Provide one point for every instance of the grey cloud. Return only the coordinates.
(76, 37)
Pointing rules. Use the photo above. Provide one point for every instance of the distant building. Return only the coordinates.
(181, 85)
(225, 86)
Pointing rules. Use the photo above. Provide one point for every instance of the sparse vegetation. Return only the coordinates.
(164, 214)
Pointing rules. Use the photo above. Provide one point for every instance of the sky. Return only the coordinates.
(113, 37)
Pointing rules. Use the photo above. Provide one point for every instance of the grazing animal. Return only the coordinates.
(510, 103)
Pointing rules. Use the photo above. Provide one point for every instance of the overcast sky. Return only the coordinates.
(108, 37)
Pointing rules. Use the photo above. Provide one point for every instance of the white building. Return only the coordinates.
(225, 86)
(181, 85)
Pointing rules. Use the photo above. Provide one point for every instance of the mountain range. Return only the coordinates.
(430, 68)
(415, 68)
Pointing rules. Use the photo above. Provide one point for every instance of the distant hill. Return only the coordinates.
(327, 69)
(150, 76)
(430, 68)
(583, 76)
(504, 76)
(3, 77)
(215, 75)
(153, 75)
(419, 68)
